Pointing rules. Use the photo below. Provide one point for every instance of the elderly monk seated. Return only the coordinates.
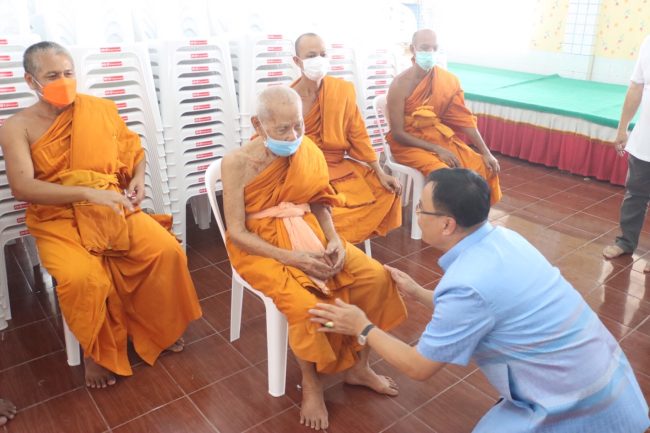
(426, 109)
(281, 240)
(120, 274)
(371, 204)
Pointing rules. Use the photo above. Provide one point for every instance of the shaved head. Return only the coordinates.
(424, 40)
(277, 100)
(34, 52)
(307, 39)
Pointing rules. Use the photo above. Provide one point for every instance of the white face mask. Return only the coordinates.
(315, 68)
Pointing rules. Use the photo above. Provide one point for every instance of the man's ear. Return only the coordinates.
(450, 226)
(298, 61)
(412, 49)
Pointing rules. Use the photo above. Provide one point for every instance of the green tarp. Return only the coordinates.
(600, 103)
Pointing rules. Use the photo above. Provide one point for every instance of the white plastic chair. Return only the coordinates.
(379, 106)
(276, 323)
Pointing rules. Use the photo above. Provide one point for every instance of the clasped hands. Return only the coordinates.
(320, 265)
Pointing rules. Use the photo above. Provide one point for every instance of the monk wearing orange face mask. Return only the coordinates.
(119, 273)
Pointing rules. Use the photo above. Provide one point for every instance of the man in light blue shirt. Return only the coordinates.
(502, 304)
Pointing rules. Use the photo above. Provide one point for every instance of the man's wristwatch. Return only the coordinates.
(363, 337)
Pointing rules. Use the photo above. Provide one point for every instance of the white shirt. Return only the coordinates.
(638, 144)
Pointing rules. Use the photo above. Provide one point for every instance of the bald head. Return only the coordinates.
(279, 114)
(424, 40)
(32, 59)
(309, 45)
(275, 100)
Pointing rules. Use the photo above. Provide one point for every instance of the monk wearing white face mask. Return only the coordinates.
(426, 108)
(333, 121)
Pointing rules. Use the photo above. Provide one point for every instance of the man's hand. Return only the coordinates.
(621, 142)
(110, 198)
(447, 157)
(390, 183)
(491, 163)
(344, 318)
(404, 283)
(316, 265)
(135, 191)
(335, 254)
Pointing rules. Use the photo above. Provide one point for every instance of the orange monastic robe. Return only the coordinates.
(433, 112)
(117, 275)
(303, 178)
(335, 124)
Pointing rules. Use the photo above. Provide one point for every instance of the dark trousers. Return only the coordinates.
(635, 203)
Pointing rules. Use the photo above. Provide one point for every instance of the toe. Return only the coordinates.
(3, 420)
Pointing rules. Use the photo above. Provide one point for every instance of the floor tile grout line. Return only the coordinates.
(101, 414)
(635, 329)
(205, 417)
(146, 413)
(271, 417)
(52, 397)
(36, 358)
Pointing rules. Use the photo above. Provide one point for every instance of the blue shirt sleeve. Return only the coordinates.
(461, 318)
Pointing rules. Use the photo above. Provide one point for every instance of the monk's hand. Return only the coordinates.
(135, 191)
(110, 198)
(314, 264)
(390, 183)
(404, 283)
(340, 317)
(335, 253)
(447, 157)
(491, 163)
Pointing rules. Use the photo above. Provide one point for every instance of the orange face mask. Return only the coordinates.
(59, 93)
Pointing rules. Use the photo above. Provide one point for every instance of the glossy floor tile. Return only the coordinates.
(220, 386)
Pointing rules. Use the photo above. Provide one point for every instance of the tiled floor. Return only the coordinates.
(218, 386)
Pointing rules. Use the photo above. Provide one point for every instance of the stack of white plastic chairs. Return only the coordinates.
(264, 60)
(122, 73)
(376, 72)
(342, 61)
(15, 95)
(200, 117)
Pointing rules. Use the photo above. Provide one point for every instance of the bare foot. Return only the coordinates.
(613, 251)
(365, 376)
(646, 268)
(7, 411)
(97, 376)
(313, 412)
(177, 347)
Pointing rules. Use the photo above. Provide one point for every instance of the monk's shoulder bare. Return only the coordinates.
(401, 83)
(14, 129)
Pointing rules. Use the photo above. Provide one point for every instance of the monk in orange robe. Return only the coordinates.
(371, 203)
(120, 274)
(282, 241)
(426, 109)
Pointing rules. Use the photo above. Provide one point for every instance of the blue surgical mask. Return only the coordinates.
(281, 147)
(425, 59)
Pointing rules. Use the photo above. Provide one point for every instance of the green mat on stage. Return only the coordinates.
(600, 103)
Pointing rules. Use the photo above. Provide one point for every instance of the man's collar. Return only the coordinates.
(450, 256)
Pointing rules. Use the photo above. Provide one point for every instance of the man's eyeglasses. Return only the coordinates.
(418, 210)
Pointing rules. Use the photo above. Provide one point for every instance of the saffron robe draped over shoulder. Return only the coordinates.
(117, 275)
(335, 124)
(433, 112)
(303, 178)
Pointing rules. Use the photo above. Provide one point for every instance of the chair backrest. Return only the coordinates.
(212, 176)
(379, 107)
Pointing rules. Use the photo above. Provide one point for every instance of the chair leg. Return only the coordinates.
(416, 232)
(71, 346)
(5, 307)
(276, 346)
(236, 300)
(367, 247)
